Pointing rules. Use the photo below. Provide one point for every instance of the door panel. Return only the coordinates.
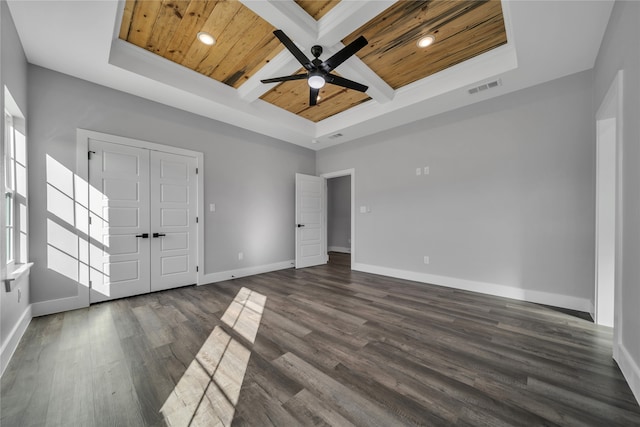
(310, 225)
(119, 204)
(173, 213)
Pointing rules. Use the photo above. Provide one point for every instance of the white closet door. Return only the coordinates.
(173, 220)
(119, 204)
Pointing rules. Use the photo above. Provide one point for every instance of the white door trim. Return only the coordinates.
(82, 168)
(352, 173)
(611, 107)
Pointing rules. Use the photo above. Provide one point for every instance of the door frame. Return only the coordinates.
(82, 167)
(337, 174)
(611, 108)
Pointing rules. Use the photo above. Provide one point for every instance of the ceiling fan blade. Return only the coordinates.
(344, 54)
(291, 46)
(313, 96)
(349, 84)
(285, 78)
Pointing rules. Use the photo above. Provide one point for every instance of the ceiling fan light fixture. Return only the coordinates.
(426, 41)
(316, 81)
(206, 38)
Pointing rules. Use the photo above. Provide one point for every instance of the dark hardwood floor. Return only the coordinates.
(318, 346)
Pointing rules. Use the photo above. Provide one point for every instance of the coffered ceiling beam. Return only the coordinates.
(288, 17)
(283, 64)
(346, 17)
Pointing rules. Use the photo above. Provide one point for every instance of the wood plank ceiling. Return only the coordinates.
(245, 43)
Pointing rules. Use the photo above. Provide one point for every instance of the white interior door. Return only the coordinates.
(311, 233)
(143, 232)
(173, 220)
(119, 204)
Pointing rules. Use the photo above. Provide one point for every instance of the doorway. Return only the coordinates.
(340, 213)
(606, 306)
(311, 247)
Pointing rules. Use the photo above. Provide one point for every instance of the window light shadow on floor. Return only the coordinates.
(208, 392)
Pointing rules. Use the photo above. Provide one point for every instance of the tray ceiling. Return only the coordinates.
(516, 43)
(245, 43)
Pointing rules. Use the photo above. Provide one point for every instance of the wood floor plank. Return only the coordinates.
(332, 347)
(309, 410)
(350, 404)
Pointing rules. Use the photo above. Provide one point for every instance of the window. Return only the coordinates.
(15, 189)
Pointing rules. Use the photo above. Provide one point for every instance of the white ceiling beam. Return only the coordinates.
(348, 16)
(354, 69)
(283, 64)
(288, 17)
(342, 20)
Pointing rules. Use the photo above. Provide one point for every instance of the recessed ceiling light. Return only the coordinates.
(426, 40)
(206, 38)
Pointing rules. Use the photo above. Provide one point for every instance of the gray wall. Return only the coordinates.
(509, 199)
(13, 75)
(620, 51)
(339, 212)
(249, 177)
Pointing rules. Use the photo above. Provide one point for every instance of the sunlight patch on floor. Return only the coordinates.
(208, 392)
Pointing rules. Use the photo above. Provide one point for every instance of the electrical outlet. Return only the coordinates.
(19, 294)
(418, 171)
(212, 207)
(426, 170)
(240, 256)
(426, 259)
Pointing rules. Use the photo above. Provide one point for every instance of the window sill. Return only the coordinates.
(13, 277)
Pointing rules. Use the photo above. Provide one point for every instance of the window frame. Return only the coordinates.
(15, 250)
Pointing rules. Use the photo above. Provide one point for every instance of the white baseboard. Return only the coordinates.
(10, 345)
(556, 300)
(629, 368)
(248, 271)
(340, 249)
(58, 305)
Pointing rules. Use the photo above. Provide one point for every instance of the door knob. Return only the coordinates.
(159, 234)
(143, 235)
(300, 225)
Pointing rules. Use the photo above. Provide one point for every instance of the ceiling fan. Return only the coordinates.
(319, 72)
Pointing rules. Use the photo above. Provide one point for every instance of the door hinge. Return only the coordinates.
(90, 283)
(196, 220)
(196, 171)
(89, 154)
(89, 220)
(196, 268)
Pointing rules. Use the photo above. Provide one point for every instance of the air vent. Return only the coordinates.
(335, 135)
(485, 86)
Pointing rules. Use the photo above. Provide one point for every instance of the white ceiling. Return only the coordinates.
(546, 40)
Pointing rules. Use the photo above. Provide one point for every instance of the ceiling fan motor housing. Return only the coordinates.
(316, 51)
